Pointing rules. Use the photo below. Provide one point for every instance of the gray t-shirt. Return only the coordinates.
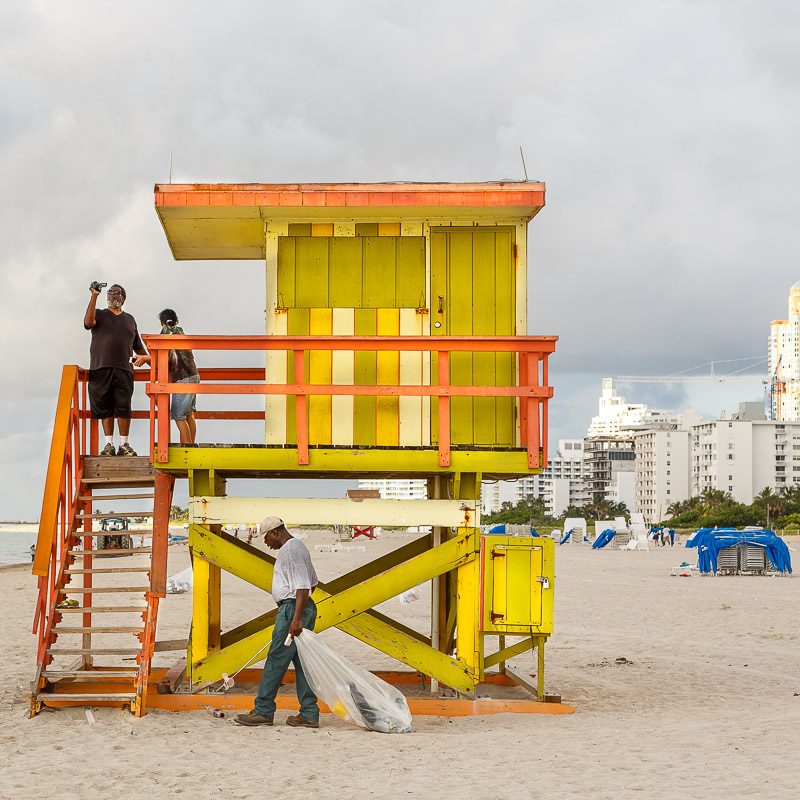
(293, 571)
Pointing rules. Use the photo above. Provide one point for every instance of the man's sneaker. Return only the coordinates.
(252, 719)
(300, 721)
(108, 450)
(126, 450)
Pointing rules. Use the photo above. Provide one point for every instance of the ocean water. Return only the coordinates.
(15, 547)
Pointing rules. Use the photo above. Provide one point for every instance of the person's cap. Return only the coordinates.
(269, 524)
(118, 287)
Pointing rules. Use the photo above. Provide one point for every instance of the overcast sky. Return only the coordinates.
(667, 134)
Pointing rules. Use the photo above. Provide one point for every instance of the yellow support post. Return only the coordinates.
(206, 586)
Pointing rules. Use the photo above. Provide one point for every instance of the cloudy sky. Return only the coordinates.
(667, 134)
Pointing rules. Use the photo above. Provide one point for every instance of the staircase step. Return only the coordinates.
(99, 629)
(101, 609)
(114, 552)
(102, 589)
(118, 483)
(111, 697)
(93, 651)
(115, 515)
(93, 674)
(105, 570)
(98, 497)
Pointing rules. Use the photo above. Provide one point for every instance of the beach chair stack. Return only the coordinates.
(728, 561)
(752, 559)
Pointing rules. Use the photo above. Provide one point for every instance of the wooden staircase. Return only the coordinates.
(98, 606)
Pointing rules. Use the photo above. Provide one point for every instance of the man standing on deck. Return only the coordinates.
(293, 581)
(115, 338)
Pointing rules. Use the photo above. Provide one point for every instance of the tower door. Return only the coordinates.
(473, 294)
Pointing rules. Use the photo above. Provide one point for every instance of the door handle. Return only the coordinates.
(441, 304)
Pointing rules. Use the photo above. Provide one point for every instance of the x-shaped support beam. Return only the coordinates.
(345, 603)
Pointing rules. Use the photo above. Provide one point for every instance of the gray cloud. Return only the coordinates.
(666, 133)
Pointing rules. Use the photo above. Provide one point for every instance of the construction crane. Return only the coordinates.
(714, 376)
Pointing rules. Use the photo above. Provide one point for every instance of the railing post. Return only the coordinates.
(545, 382)
(443, 379)
(532, 380)
(162, 376)
(301, 408)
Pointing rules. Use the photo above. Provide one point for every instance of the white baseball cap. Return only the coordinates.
(269, 524)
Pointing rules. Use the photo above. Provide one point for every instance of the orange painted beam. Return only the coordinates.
(528, 195)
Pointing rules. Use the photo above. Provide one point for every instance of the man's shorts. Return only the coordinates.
(181, 405)
(110, 392)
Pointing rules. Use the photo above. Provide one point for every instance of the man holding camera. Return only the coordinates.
(115, 338)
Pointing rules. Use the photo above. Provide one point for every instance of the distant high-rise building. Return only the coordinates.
(396, 489)
(561, 484)
(784, 362)
(616, 417)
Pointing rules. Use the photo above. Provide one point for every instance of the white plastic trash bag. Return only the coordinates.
(180, 583)
(352, 693)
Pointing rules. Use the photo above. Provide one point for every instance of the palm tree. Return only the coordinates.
(773, 504)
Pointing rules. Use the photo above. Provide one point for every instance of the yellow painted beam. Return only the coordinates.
(329, 511)
(508, 652)
(320, 363)
(388, 374)
(349, 461)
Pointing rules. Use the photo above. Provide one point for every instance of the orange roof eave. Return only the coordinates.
(223, 220)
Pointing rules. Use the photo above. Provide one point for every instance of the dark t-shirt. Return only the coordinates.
(114, 339)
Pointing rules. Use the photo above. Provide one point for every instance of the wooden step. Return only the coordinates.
(93, 651)
(91, 674)
(102, 589)
(98, 497)
(118, 483)
(105, 570)
(100, 629)
(114, 552)
(102, 609)
(119, 467)
(110, 697)
(115, 515)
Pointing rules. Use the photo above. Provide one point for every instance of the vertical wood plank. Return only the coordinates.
(459, 305)
(311, 265)
(346, 272)
(484, 293)
(388, 374)
(297, 325)
(380, 265)
(343, 374)
(505, 326)
(366, 324)
(410, 275)
(319, 407)
(410, 374)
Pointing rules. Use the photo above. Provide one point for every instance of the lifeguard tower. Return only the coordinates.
(395, 346)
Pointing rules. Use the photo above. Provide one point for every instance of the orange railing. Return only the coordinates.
(531, 387)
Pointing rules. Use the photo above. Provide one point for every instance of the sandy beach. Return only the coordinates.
(706, 703)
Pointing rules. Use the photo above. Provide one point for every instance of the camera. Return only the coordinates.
(97, 285)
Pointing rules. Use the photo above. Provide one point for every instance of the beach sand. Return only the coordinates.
(706, 704)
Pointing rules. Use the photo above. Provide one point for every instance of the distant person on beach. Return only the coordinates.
(182, 369)
(115, 338)
(33, 552)
(293, 581)
(672, 537)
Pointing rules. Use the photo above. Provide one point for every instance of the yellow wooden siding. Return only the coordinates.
(473, 271)
(375, 271)
(366, 324)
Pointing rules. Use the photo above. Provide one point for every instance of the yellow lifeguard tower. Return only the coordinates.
(395, 346)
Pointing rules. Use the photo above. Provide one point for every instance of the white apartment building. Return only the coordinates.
(784, 362)
(615, 416)
(745, 454)
(397, 489)
(495, 493)
(663, 471)
(561, 484)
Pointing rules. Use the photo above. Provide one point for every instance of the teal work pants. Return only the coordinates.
(278, 660)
